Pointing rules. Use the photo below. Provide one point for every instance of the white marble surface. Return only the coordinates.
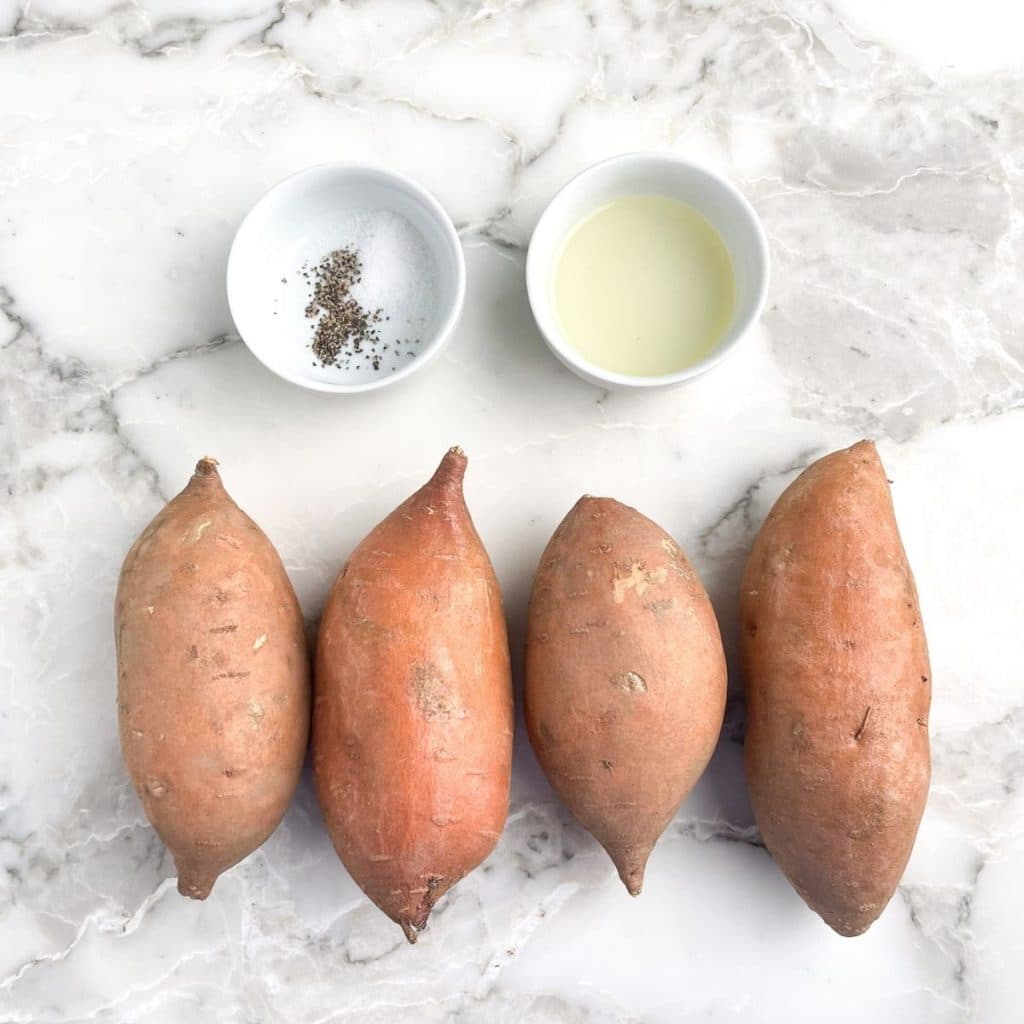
(882, 143)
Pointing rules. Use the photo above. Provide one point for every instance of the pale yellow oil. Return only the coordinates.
(644, 286)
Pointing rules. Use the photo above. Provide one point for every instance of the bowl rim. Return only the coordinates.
(552, 333)
(420, 194)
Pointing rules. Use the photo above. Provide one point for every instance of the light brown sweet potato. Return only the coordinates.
(412, 721)
(213, 680)
(625, 677)
(838, 689)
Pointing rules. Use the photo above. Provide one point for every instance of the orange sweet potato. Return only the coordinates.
(838, 689)
(625, 677)
(412, 721)
(213, 680)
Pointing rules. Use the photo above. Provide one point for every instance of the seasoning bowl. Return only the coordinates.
(650, 174)
(411, 268)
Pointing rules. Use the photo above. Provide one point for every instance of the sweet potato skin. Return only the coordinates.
(213, 680)
(412, 732)
(625, 677)
(838, 689)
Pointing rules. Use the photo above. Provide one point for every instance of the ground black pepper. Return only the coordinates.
(347, 332)
(343, 326)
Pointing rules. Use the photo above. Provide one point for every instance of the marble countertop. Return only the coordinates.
(883, 145)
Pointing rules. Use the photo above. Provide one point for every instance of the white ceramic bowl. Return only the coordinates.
(301, 220)
(727, 209)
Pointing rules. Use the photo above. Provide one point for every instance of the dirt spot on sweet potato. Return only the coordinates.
(799, 741)
(433, 695)
(199, 527)
(637, 577)
(629, 682)
(256, 714)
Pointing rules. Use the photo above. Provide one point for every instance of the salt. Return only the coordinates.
(395, 288)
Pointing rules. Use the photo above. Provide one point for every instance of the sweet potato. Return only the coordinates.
(412, 720)
(625, 677)
(213, 680)
(838, 689)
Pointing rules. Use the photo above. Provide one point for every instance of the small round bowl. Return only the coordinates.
(720, 202)
(312, 213)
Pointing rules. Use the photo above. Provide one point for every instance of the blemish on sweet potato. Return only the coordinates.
(434, 697)
(256, 713)
(629, 682)
(195, 531)
(638, 578)
(863, 725)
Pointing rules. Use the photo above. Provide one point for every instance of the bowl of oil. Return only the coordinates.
(646, 270)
